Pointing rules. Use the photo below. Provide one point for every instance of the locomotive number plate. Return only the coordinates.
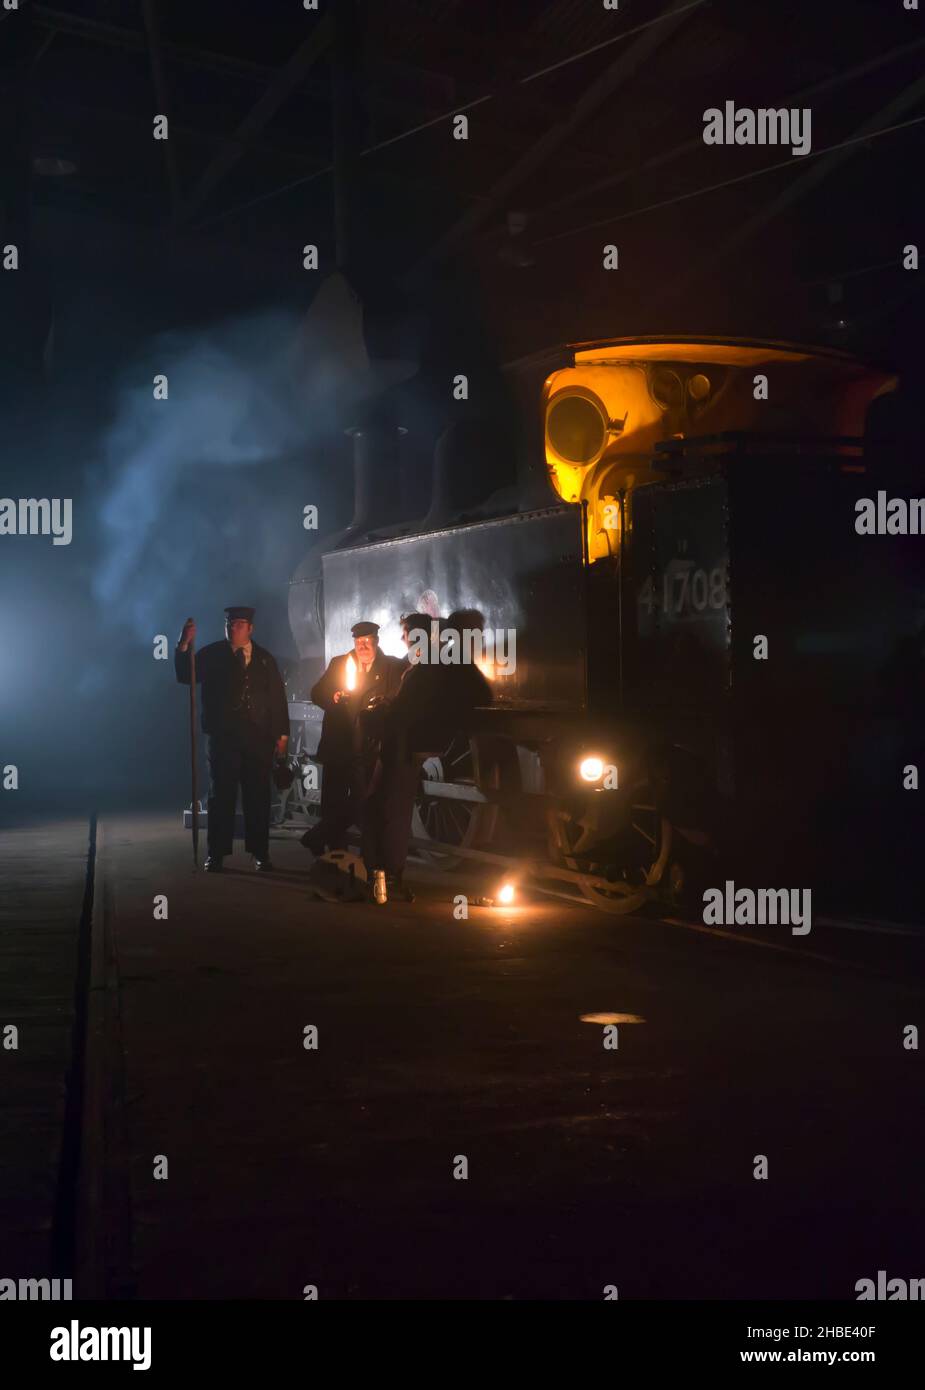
(684, 590)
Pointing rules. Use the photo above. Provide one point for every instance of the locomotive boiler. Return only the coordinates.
(708, 660)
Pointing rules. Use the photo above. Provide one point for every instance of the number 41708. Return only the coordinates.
(686, 590)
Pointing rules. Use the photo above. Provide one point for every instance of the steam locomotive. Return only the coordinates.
(714, 672)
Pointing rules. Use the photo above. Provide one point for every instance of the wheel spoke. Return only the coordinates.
(449, 820)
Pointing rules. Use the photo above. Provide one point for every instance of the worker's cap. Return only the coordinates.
(246, 613)
(365, 630)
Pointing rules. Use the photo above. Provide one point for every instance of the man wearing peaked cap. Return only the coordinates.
(245, 714)
(343, 692)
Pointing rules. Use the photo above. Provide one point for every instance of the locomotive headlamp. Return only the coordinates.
(578, 426)
(591, 769)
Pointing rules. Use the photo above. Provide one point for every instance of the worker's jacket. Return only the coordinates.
(234, 697)
(433, 703)
(342, 738)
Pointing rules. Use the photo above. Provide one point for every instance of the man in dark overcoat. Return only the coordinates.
(245, 715)
(347, 756)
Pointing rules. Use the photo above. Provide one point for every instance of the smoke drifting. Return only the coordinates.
(180, 506)
(200, 495)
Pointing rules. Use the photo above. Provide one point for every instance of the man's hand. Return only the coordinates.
(338, 696)
(188, 634)
(282, 743)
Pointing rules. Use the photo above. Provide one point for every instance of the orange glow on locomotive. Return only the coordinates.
(605, 415)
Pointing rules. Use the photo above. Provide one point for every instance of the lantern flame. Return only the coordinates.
(351, 673)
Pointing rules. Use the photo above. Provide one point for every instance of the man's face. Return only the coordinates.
(365, 648)
(414, 639)
(238, 631)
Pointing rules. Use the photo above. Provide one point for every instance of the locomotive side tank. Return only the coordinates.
(615, 756)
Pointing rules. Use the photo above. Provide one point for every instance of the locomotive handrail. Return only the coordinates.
(753, 436)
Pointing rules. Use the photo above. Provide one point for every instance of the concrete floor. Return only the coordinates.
(42, 875)
(440, 1038)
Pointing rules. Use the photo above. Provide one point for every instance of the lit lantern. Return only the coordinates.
(351, 673)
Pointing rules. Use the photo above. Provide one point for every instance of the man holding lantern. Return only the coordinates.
(346, 688)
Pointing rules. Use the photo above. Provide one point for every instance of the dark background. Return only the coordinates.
(185, 257)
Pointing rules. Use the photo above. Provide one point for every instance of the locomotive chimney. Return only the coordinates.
(472, 461)
(376, 476)
(441, 501)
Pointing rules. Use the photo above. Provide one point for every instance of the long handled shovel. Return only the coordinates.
(193, 752)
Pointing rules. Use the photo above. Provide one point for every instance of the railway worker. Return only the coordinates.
(434, 703)
(415, 630)
(245, 715)
(345, 751)
(468, 687)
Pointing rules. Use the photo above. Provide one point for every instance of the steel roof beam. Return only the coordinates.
(624, 67)
(287, 79)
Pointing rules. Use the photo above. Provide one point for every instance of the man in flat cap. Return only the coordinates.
(347, 687)
(246, 717)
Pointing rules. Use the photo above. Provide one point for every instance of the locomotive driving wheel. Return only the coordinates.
(618, 877)
(449, 808)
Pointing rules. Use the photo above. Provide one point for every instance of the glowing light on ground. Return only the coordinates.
(611, 1018)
